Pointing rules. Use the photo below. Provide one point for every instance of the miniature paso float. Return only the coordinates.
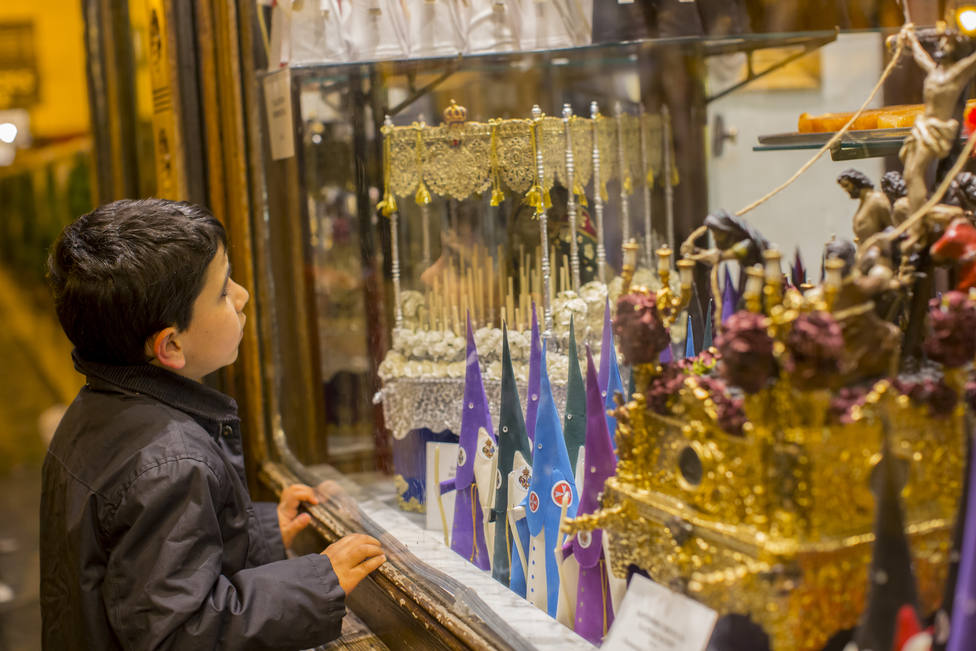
(807, 472)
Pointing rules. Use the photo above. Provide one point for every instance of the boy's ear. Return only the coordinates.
(165, 349)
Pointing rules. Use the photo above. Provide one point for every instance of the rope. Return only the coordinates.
(837, 136)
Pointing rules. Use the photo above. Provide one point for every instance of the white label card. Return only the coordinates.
(625, 2)
(448, 469)
(277, 98)
(653, 618)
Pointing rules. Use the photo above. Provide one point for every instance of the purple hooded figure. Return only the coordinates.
(610, 381)
(535, 377)
(585, 554)
(475, 467)
(730, 297)
(963, 626)
(798, 273)
(666, 356)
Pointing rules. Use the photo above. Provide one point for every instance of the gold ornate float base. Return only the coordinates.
(799, 593)
(777, 523)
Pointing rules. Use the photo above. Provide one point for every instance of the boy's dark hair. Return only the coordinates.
(129, 269)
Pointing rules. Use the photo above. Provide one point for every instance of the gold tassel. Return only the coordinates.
(581, 193)
(628, 185)
(423, 196)
(534, 197)
(674, 175)
(650, 178)
(497, 196)
(388, 206)
(603, 192)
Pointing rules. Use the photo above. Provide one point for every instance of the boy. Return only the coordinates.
(149, 538)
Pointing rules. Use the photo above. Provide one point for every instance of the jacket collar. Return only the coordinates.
(196, 399)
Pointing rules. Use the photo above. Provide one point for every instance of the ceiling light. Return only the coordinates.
(966, 19)
(8, 132)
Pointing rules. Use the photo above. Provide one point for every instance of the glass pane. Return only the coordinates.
(489, 188)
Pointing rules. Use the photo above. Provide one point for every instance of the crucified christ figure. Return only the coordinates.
(947, 72)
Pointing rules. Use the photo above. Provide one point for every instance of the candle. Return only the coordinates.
(664, 260)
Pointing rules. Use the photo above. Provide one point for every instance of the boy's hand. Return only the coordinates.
(353, 557)
(289, 520)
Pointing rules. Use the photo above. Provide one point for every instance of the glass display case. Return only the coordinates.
(439, 195)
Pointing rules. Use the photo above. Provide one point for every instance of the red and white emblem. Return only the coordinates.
(562, 493)
(533, 501)
(584, 538)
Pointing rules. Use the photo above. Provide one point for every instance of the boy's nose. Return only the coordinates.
(242, 297)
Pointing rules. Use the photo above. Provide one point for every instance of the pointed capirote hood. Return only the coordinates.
(609, 378)
(891, 580)
(730, 296)
(798, 272)
(601, 464)
(962, 629)
(550, 460)
(535, 365)
(512, 438)
(475, 414)
(707, 331)
(574, 420)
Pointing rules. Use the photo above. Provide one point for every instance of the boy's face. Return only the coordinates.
(216, 327)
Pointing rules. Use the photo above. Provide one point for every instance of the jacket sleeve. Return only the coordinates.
(267, 513)
(165, 587)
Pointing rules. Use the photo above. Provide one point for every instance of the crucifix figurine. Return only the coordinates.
(948, 70)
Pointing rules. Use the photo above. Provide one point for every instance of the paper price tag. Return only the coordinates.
(653, 618)
(625, 2)
(277, 97)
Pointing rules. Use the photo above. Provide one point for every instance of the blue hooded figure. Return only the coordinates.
(535, 364)
(552, 486)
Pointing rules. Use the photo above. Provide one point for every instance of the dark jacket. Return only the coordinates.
(149, 539)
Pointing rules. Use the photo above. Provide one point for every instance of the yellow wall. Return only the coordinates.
(59, 48)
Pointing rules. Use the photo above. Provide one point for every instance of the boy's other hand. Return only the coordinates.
(353, 557)
(289, 520)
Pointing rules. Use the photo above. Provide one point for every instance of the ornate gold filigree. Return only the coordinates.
(404, 172)
(582, 134)
(457, 160)
(630, 133)
(553, 145)
(516, 158)
(461, 159)
(777, 523)
(606, 133)
(653, 142)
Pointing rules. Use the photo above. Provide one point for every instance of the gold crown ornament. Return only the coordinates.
(455, 114)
